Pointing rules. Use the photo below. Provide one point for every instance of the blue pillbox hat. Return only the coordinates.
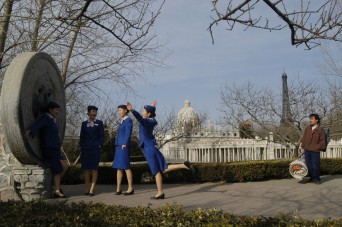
(92, 108)
(52, 105)
(150, 109)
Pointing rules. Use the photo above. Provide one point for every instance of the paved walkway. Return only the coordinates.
(265, 198)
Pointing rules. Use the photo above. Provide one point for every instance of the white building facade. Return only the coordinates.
(212, 145)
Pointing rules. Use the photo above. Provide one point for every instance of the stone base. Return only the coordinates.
(7, 194)
(33, 182)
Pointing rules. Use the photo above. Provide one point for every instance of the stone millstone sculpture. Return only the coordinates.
(31, 81)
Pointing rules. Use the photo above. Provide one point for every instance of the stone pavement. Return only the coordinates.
(265, 198)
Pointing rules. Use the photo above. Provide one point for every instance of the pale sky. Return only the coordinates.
(198, 69)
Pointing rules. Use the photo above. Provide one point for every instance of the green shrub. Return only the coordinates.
(208, 172)
(40, 213)
(330, 166)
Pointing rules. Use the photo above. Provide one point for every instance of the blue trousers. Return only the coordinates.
(313, 162)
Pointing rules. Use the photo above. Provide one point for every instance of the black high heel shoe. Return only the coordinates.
(91, 193)
(58, 195)
(129, 193)
(118, 192)
(189, 166)
(162, 196)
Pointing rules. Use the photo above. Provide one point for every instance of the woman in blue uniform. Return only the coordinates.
(154, 157)
(91, 140)
(123, 150)
(50, 144)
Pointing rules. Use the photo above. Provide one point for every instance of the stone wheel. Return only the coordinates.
(31, 81)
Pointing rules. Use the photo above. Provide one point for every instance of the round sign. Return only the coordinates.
(298, 169)
(31, 81)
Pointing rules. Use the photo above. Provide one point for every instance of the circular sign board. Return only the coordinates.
(31, 81)
(298, 169)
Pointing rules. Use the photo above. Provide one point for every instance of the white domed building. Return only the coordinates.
(197, 143)
(187, 119)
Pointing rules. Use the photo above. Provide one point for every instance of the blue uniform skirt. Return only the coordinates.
(90, 159)
(53, 159)
(155, 159)
(121, 158)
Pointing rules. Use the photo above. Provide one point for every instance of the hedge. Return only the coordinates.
(40, 213)
(208, 172)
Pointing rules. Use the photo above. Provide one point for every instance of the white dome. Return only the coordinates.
(187, 117)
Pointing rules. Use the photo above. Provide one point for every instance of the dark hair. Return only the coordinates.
(123, 107)
(151, 114)
(316, 116)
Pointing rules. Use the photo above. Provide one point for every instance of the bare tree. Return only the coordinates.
(91, 41)
(331, 64)
(96, 44)
(264, 108)
(332, 71)
(4, 22)
(334, 118)
(308, 21)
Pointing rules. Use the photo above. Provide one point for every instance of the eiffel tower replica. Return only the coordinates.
(287, 127)
(286, 116)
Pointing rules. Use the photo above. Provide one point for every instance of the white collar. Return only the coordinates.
(91, 123)
(124, 118)
(50, 115)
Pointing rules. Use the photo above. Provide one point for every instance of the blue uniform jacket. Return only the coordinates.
(49, 138)
(124, 132)
(146, 128)
(91, 138)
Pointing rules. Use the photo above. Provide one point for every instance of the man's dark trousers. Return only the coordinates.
(312, 161)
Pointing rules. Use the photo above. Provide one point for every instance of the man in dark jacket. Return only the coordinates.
(313, 142)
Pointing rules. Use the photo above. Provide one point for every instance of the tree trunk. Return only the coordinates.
(73, 40)
(69, 52)
(4, 22)
(35, 34)
(296, 151)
